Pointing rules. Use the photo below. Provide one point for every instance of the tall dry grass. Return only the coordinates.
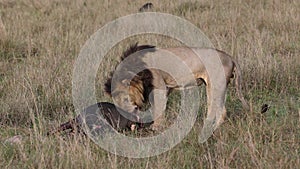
(43, 39)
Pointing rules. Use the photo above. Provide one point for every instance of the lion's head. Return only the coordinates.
(130, 93)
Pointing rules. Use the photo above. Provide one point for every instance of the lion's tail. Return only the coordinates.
(238, 85)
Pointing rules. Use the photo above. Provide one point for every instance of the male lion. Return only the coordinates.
(212, 67)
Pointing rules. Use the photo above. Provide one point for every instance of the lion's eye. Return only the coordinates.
(126, 100)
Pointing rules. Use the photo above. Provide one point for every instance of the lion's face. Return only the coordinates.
(128, 95)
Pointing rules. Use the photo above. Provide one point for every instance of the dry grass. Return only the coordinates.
(43, 38)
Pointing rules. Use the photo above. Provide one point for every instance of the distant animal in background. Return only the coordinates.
(146, 7)
(264, 108)
(112, 115)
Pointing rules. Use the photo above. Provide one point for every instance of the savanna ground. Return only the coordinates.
(40, 41)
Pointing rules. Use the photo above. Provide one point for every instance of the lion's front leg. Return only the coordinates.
(158, 100)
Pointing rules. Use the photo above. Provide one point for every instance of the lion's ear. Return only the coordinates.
(126, 82)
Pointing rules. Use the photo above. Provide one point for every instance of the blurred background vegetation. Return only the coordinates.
(40, 41)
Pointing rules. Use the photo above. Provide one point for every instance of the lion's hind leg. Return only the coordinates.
(216, 111)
